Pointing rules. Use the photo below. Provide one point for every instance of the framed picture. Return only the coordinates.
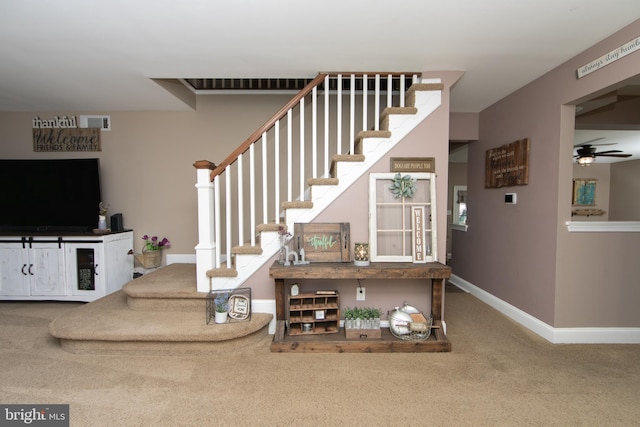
(584, 192)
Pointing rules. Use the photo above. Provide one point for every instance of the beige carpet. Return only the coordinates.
(497, 375)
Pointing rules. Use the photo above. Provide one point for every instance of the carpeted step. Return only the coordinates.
(362, 135)
(343, 158)
(301, 204)
(108, 326)
(384, 118)
(420, 87)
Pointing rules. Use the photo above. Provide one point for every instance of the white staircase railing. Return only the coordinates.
(275, 163)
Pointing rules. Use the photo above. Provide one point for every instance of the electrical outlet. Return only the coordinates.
(359, 294)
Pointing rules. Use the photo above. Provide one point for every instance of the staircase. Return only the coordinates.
(314, 162)
(164, 312)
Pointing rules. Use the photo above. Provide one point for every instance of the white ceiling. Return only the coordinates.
(88, 55)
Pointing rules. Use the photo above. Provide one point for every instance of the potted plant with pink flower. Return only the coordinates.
(151, 256)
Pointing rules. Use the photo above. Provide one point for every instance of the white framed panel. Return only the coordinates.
(390, 218)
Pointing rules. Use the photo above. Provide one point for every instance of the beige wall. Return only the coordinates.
(523, 254)
(625, 191)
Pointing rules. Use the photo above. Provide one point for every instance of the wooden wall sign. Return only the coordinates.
(66, 139)
(507, 165)
(413, 164)
(323, 242)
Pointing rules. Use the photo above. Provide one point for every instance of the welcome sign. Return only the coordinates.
(62, 134)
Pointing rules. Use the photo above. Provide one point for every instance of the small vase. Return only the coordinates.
(221, 317)
(282, 255)
(102, 222)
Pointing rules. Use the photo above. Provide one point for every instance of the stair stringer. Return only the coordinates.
(374, 149)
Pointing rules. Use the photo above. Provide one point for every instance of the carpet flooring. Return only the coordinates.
(498, 374)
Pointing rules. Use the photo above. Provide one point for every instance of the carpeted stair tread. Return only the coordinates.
(301, 204)
(246, 250)
(323, 181)
(172, 281)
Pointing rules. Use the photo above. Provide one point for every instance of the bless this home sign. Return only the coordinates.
(63, 134)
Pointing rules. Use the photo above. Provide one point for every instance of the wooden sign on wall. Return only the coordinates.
(507, 165)
(66, 139)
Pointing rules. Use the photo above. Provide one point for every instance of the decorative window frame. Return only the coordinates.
(380, 182)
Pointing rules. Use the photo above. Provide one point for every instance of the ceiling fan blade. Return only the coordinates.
(593, 140)
(608, 152)
(613, 155)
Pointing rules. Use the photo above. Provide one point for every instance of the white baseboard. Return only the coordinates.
(551, 334)
(181, 259)
(265, 306)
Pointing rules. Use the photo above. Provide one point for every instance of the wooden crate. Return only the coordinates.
(363, 334)
(323, 242)
(319, 311)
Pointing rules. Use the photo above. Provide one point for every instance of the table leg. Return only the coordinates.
(437, 287)
(280, 300)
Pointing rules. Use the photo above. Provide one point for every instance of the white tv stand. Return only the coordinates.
(64, 267)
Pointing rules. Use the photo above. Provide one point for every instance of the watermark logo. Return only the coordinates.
(34, 415)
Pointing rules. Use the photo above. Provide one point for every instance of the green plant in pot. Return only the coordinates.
(221, 302)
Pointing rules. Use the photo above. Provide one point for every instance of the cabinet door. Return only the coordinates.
(85, 268)
(14, 274)
(46, 269)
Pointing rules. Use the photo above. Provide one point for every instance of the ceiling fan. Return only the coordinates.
(587, 152)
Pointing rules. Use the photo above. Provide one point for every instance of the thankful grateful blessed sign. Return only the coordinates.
(63, 134)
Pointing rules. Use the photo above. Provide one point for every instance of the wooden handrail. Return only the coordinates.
(267, 125)
(257, 134)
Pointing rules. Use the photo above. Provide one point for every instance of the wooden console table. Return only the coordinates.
(434, 272)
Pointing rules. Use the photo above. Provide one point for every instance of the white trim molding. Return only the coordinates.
(603, 226)
(551, 334)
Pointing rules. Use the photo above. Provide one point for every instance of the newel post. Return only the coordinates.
(205, 250)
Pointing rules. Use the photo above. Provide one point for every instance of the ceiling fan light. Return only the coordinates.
(585, 160)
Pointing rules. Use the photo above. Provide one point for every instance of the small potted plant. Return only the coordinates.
(151, 256)
(348, 317)
(221, 302)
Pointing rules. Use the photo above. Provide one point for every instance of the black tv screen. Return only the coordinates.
(49, 195)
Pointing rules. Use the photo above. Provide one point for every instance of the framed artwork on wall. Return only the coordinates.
(584, 192)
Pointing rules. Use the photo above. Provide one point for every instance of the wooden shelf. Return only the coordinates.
(338, 343)
(433, 273)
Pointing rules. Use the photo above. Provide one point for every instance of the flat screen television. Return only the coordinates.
(49, 195)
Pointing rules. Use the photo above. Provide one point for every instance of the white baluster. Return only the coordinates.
(302, 157)
(389, 91)
(314, 132)
(216, 208)
(402, 90)
(326, 126)
(289, 159)
(240, 200)
(352, 114)
(265, 192)
(228, 214)
(365, 119)
(252, 192)
(339, 116)
(376, 97)
(276, 171)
